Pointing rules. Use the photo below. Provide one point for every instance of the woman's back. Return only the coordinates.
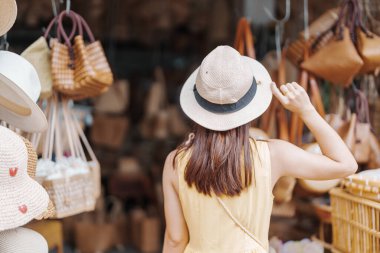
(210, 227)
(223, 96)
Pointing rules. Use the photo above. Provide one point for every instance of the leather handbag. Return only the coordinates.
(78, 70)
(369, 50)
(356, 131)
(367, 43)
(244, 39)
(339, 61)
(325, 22)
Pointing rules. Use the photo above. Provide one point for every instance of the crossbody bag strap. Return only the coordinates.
(239, 224)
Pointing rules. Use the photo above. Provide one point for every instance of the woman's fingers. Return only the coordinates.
(277, 93)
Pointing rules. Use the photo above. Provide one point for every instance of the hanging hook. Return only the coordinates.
(306, 32)
(54, 8)
(279, 27)
(285, 18)
(68, 6)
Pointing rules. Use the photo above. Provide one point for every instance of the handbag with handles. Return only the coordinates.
(367, 43)
(357, 131)
(78, 70)
(323, 23)
(339, 61)
(71, 180)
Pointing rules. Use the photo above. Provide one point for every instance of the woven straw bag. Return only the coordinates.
(78, 70)
(73, 182)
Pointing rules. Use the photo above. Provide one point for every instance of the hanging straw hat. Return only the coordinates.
(8, 14)
(22, 240)
(22, 199)
(228, 90)
(20, 88)
(32, 166)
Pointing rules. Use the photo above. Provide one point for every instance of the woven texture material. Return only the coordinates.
(355, 222)
(8, 14)
(252, 209)
(22, 240)
(224, 77)
(71, 196)
(22, 198)
(32, 165)
(79, 71)
(38, 54)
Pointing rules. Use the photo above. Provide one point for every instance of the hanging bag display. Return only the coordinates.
(338, 61)
(323, 23)
(78, 70)
(73, 182)
(367, 43)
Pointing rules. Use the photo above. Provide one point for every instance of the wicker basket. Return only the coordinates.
(365, 184)
(355, 222)
(72, 195)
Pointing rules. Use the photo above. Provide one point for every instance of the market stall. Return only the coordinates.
(89, 111)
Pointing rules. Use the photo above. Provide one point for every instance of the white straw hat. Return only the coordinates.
(8, 14)
(228, 90)
(22, 240)
(20, 88)
(22, 199)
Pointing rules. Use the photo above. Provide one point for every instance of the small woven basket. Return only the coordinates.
(71, 195)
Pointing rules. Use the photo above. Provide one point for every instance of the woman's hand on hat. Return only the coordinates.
(293, 97)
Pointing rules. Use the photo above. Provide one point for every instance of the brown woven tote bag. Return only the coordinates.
(79, 71)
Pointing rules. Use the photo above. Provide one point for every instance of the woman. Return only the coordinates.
(218, 184)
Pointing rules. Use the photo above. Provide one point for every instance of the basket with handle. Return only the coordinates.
(79, 70)
(70, 180)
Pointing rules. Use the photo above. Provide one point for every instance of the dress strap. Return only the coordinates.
(239, 224)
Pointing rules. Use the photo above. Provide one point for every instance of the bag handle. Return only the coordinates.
(239, 224)
(54, 21)
(361, 106)
(244, 39)
(83, 24)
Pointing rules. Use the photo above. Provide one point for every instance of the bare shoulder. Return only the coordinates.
(169, 173)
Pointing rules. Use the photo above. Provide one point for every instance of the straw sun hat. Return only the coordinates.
(8, 14)
(22, 240)
(227, 90)
(20, 88)
(22, 199)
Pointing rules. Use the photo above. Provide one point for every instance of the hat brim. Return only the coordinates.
(8, 14)
(33, 121)
(228, 121)
(27, 192)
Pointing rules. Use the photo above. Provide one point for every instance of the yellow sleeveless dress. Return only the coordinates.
(211, 229)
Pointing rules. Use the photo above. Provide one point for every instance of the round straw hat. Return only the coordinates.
(227, 90)
(22, 240)
(22, 199)
(8, 14)
(32, 166)
(20, 88)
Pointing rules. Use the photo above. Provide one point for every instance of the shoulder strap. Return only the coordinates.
(239, 224)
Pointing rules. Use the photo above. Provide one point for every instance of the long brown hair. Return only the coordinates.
(216, 159)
